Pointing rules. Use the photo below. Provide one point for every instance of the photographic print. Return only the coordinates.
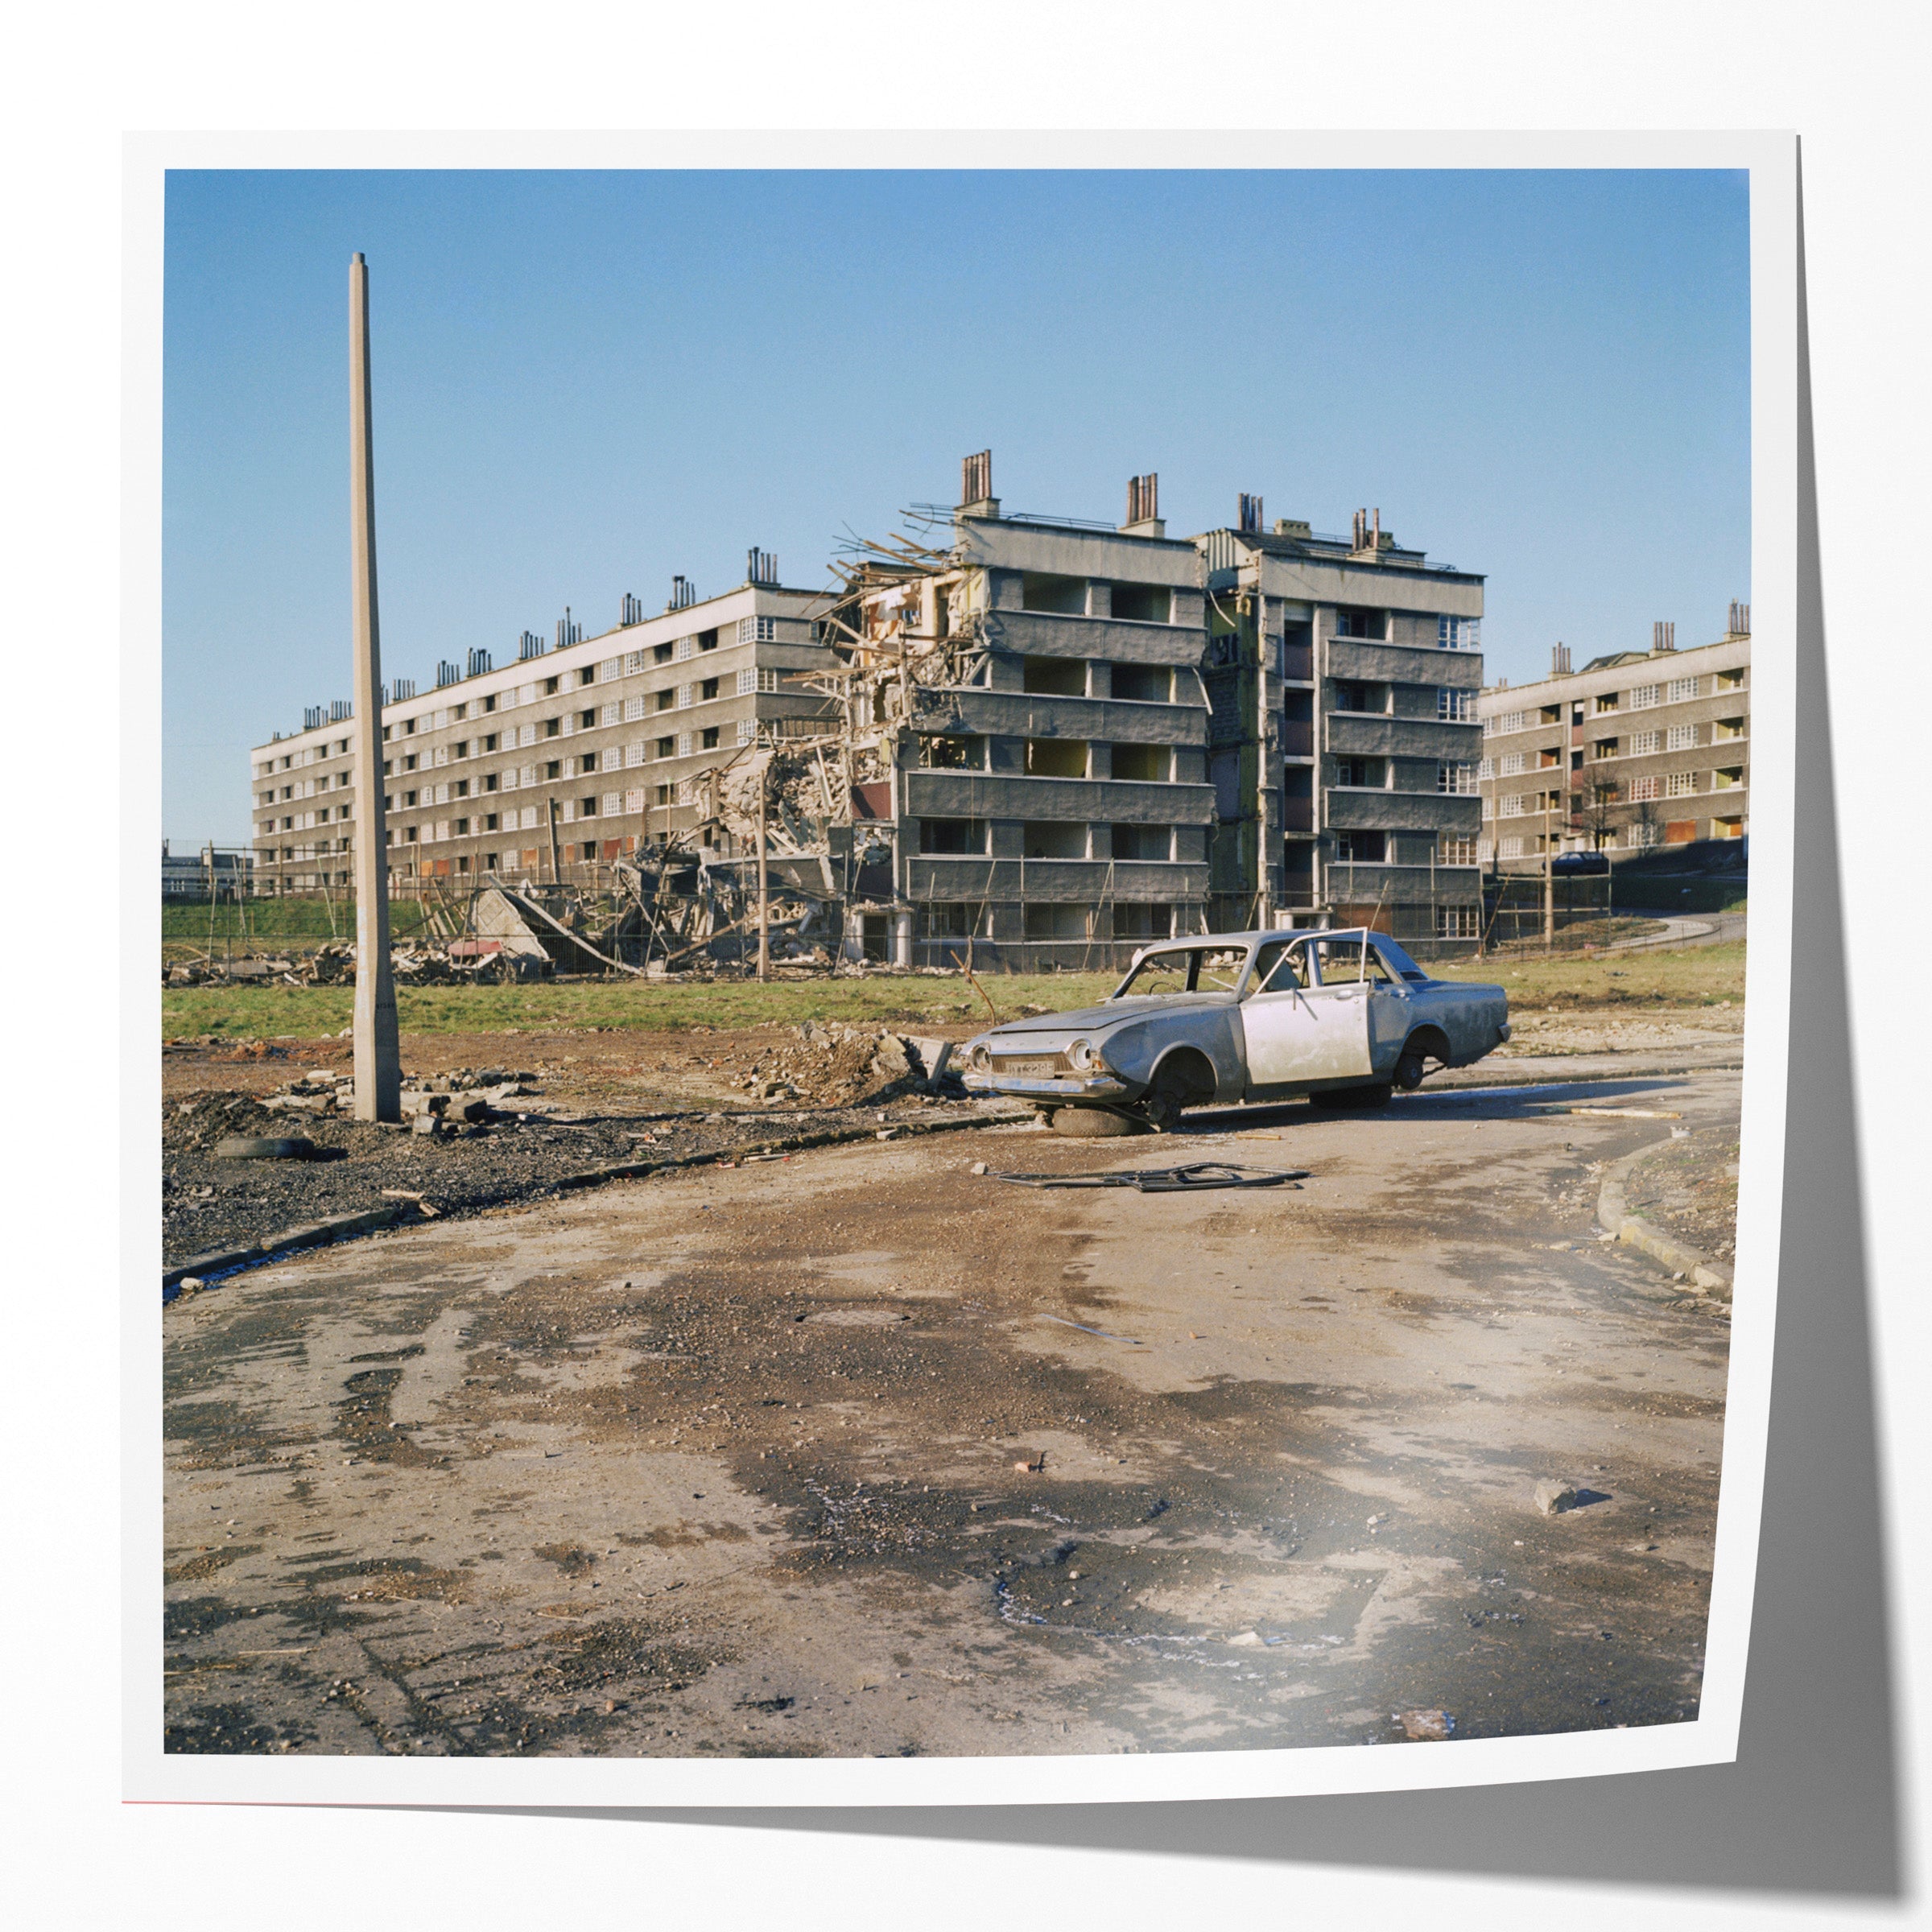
(953, 969)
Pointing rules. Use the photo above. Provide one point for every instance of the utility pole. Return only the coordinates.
(764, 881)
(1264, 878)
(378, 1060)
(556, 863)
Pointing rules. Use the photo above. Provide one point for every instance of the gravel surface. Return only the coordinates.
(1689, 1189)
(589, 1115)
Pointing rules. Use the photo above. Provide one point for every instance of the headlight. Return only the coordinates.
(1081, 1056)
(980, 1058)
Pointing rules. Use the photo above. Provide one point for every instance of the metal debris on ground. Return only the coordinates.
(1196, 1176)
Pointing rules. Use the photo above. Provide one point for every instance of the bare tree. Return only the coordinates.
(1600, 813)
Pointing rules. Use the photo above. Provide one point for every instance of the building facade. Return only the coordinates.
(1638, 748)
(1057, 801)
(600, 742)
(1343, 675)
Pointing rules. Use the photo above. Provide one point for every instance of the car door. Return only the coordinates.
(1391, 1014)
(1296, 1029)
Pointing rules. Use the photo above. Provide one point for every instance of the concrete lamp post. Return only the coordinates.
(378, 1058)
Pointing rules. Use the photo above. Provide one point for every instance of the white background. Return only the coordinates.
(1850, 82)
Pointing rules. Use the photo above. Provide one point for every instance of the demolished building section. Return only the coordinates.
(1003, 740)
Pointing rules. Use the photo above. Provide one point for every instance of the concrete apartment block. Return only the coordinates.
(1638, 748)
(616, 729)
(1060, 806)
(1343, 675)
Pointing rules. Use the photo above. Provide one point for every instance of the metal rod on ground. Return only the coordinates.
(378, 1060)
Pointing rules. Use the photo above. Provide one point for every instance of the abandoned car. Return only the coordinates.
(1343, 1017)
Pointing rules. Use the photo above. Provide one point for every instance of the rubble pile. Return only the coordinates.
(457, 963)
(832, 1064)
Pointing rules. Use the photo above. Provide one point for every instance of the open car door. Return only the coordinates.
(1302, 1023)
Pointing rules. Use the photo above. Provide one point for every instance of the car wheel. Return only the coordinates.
(1169, 1097)
(1409, 1072)
(1091, 1123)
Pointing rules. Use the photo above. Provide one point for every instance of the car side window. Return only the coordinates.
(1379, 974)
(1282, 967)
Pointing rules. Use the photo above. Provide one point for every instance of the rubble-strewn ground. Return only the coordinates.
(723, 1462)
(1689, 1189)
(682, 1096)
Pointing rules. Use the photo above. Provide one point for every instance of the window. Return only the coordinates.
(1458, 922)
(612, 714)
(1512, 806)
(528, 775)
(1454, 707)
(953, 921)
(549, 688)
(1053, 838)
(661, 654)
(684, 752)
(1452, 849)
(1727, 728)
(707, 690)
(661, 795)
(1051, 922)
(1455, 777)
(948, 838)
(633, 799)
(667, 747)
(634, 707)
(1144, 683)
(1486, 769)
(751, 679)
(1727, 778)
(685, 692)
(552, 727)
(588, 674)
(461, 828)
(1064, 596)
(1354, 773)
(1510, 848)
(1143, 842)
(1641, 789)
(1643, 743)
(587, 762)
(1144, 764)
(527, 822)
(954, 752)
(491, 822)
(1055, 677)
(666, 699)
(460, 789)
(633, 751)
(1361, 847)
(1604, 748)
(1729, 680)
(1683, 690)
(1641, 835)
(755, 630)
(707, 739)
(1352, 696)
(610, 669)
(1681, 737)
(1351, 621)
(1459, 634)
(747, 729)
(1143, 603)
(1056, 757)
(1646, 697)
(613, 804)
(1606, 700)
(1680, 785)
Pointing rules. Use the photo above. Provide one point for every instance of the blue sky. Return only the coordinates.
(586, 382)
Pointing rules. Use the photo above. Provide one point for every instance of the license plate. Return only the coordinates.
(1028, 1070)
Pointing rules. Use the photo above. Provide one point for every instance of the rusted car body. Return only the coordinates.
(1224, 1018)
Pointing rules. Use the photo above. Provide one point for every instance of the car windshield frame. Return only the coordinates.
(1197, 954)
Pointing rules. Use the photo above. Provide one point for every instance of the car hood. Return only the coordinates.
(1110, 1013)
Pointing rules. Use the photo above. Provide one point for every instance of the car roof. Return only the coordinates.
(1250, 938)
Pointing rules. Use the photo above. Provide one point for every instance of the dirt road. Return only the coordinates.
(725, 1462)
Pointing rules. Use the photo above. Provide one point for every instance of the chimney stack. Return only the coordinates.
(975, 485)
(1663, 634)
(1250, 518)
(1144, 506)
(1559, 660)
(1739, 626)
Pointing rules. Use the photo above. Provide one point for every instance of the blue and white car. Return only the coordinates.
(1343, 1017)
